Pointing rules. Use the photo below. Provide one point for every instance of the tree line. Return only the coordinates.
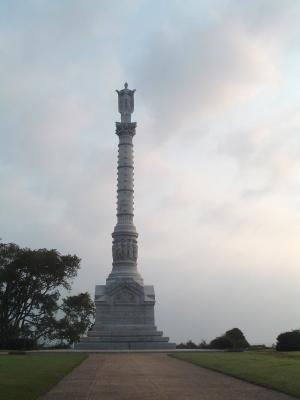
(234, 339)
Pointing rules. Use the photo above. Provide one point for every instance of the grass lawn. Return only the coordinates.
(279, 371)
(28, 376)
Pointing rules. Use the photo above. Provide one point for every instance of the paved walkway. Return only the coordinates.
(143, 376)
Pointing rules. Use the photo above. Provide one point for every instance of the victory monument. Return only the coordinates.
(125, 306)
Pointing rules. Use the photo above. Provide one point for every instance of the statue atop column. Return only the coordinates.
(126, 103)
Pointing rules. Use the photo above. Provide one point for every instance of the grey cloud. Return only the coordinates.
(274, 18)
(204, 69)
(267, 154)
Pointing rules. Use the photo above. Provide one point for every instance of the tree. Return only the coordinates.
(237, 338)
(232, 339)
(191, 345)
(30, 284)
(288, 341)
(79, 311)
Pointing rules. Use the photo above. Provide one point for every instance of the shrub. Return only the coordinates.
(21, 344)
(188, 345)
(288, 341)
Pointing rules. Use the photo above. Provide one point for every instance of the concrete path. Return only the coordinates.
(145, 376)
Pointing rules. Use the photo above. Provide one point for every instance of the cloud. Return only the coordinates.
(198, 70)
(267, 153)
(217, 149)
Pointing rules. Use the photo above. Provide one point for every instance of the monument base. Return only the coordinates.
(124, 319)
(129, 339)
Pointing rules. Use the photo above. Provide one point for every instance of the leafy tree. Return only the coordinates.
(30, 284)
(232, 339)
(78, 310)
(237, 338)
(288, 341)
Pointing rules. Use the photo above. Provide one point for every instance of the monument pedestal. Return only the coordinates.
(124, 319)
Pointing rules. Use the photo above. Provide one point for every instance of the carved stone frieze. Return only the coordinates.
(124, 249)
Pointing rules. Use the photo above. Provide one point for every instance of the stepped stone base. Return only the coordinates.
(124, 319)
(125, 346)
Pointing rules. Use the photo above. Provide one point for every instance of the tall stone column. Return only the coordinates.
(125, 306)
(125, 247)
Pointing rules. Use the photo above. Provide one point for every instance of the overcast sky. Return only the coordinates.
(217, 150)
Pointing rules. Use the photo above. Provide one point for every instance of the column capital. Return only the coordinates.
(125, 128)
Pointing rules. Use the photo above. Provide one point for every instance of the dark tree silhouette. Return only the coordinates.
(288, 341)
(30, 284)
(232, 339)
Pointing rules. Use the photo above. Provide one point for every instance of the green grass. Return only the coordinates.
(278, 371)
(28, 376)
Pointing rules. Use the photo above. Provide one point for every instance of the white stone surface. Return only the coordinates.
(124, 306)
